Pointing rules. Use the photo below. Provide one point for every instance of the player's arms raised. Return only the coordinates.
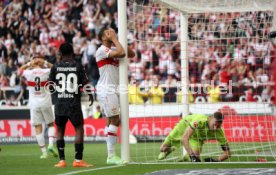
(119, 52)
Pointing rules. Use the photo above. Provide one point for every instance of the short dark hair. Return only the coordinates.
(101, 33)
(219, 117)
(66, 49)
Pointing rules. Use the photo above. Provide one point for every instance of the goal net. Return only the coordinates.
(219, 61)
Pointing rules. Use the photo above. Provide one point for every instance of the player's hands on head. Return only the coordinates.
(37, 61)
(210, 159)
(194, 158)
(111, 35)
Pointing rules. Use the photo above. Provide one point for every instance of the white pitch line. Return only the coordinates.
(202, 163)
(242, 149)
(90, 170)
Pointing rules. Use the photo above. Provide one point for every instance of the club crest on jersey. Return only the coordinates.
(195, 124)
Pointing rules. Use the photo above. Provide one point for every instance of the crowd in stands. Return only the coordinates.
(222, 47)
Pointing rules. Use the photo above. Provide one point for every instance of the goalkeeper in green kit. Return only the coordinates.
(191, 132)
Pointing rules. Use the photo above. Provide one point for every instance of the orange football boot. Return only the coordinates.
(81, 163)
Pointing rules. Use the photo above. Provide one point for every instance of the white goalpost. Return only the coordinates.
(201, 44)
(122, 23)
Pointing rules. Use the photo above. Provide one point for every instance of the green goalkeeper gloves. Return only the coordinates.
(194, 158)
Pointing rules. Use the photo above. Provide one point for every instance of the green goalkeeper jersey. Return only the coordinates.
(199, 123)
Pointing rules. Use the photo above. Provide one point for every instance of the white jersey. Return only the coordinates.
(108, 69)
(37, 78)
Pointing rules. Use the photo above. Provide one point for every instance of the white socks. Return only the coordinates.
(51, 135)
(41, 142)
(111, 140)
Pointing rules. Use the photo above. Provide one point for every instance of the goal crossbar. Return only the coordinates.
(202, 6)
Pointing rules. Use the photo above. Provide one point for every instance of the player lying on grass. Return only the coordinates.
(191, 132)
(37, 73)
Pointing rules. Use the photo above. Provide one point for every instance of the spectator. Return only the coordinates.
(135, 96)
(249, 95)
(11, 68)
(98, 113)
(214, 94)
(170, 81)
(3, 57)
(155, 94)
(15, 98)
(180, 95)
(146, 84)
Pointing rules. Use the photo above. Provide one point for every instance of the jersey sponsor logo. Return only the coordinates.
(108, 61)
(106, 50)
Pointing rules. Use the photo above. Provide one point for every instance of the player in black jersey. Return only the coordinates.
(69, 78)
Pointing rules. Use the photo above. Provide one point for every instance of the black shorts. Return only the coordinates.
(76, 119)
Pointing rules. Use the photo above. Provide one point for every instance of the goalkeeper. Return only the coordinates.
(192, 131)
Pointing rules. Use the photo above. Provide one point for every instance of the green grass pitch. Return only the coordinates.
(24, 159)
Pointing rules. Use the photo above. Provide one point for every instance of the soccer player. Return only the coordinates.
(40, 102)
(69, 77)
(108, 62)
(192, 131)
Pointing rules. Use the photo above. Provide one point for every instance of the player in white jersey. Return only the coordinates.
(108, 62)
(37, 73)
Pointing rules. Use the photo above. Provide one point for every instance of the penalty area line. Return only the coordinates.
(90, 170)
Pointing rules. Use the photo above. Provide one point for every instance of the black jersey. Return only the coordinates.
(69, 77)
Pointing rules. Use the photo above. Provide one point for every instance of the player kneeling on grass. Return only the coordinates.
(192, 131)
(37, 73)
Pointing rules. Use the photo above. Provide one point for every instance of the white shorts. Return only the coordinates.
(110, 104)
(42, 115)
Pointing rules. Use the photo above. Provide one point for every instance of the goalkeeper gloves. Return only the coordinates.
(194, 158)
(209, 159)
